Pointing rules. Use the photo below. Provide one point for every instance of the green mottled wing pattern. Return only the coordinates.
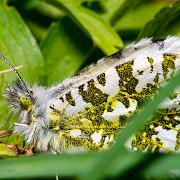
(96, 104)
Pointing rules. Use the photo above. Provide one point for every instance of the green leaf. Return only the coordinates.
(6, 151)
(20, 48)
(78, 165)
(12, 139)
(47, 165)
(120, 8)
(38, 31)
(65, 48)
(42, 7)
(112, 6)
(102, 34)
(65, 165)
(125, 162)
(165, 22)
(167, 166)
(133, 20)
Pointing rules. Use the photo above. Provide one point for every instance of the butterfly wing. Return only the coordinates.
(89, 109)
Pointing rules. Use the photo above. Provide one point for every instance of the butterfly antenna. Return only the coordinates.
(16, 72)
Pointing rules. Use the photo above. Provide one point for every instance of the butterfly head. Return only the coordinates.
(19, 95)
(29, 105)
(19, 98)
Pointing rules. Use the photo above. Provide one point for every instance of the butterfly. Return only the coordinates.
(85, 112)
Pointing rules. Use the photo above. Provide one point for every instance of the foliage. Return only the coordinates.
(54, 39)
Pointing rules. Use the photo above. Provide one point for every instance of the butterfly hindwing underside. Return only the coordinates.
(86, 112)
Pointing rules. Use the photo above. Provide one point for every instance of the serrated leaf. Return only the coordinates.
(98, 29)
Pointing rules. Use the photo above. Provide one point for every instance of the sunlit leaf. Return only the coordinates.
(96, 28)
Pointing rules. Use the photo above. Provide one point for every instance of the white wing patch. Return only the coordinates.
(120, 110)
(96, 137)
(167, 137)
(75, 133)
(112, 82)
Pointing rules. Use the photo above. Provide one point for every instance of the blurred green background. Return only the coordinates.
(54, 39)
